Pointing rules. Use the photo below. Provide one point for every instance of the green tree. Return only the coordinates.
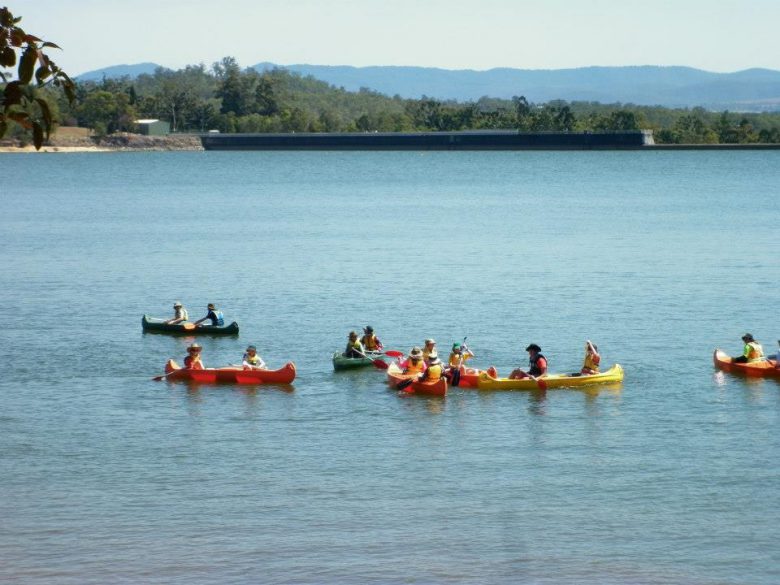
(21, 102)
(265, 97)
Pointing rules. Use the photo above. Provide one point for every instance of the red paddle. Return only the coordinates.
(383, 365)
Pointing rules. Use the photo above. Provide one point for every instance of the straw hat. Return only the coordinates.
(416, 353)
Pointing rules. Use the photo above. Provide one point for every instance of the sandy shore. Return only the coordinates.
(26, 149)
(120, 142)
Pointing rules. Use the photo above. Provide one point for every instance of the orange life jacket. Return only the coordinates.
(414, 368)
(370, 342)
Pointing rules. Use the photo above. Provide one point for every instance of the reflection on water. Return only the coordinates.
(336, 480)
(537, 402)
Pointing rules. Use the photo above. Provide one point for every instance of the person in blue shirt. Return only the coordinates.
(216, 317)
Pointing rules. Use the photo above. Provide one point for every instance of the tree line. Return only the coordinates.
(230, 99)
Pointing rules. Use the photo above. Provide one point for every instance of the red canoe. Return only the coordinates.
(761, 369)
(231, 375)
(395, 376)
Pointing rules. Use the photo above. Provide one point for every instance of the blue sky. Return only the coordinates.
(716, 35)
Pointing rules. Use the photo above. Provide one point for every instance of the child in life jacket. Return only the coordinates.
(252, 361)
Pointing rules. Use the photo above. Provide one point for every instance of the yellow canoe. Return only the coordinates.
(610, 376)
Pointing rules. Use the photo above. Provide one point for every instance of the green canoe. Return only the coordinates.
(344, 363)
(152, 325)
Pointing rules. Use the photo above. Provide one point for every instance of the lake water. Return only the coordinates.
(659, 257)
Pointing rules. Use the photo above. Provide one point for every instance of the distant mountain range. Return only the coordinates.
(749, 90)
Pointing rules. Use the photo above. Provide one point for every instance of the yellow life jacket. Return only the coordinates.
(354, 345)
(252, 360)
(753, 351)
(434, 373)
(414, 368)
(369, 342)
(458, 359)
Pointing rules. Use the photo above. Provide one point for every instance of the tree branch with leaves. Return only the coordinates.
(20, 102)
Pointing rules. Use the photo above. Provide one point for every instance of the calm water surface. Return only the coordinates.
(109, 477)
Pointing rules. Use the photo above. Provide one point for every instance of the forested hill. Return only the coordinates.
(749, 90)
(752, 89)
(229, 98)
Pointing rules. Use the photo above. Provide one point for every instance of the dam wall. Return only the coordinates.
(468, 140)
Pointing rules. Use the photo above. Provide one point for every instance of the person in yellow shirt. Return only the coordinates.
(752, 352)
(435, 370)
(354, 348)
(429, 349)
(458, 356)
(369, 340)
(252, 360)
(592, 359)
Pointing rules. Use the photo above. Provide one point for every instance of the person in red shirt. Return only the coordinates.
(537, 364)
(192, 361)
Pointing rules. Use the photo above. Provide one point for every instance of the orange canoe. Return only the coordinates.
(231, 375)
(761, 369)
(395, 376)
(470, 376)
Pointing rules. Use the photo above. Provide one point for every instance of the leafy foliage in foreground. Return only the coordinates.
(230, 99)
(21, 101)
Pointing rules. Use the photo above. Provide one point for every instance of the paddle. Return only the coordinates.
(188, 326)
(163, 376)
(383, 365)
(406, 383)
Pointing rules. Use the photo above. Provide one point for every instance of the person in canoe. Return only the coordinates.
(434, 371)
(369, 340)
(216, 317)
(414, 364)
(252, 361)
(458, 356)
(537, 364)
(429, 349)
(752, 352)
(354, 347)
(592, 359)
(192, 361)
(179, 314)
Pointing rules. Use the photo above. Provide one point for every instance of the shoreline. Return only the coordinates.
(193, 142)
(67, 142)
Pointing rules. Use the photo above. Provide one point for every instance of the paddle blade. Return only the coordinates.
(380, 364)
(394, 353)
(158, 378)
(541, 384)
(189, 326)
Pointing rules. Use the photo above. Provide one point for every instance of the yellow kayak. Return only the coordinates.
(612, 375)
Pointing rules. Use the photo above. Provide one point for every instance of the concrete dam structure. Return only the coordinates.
(467, 140)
